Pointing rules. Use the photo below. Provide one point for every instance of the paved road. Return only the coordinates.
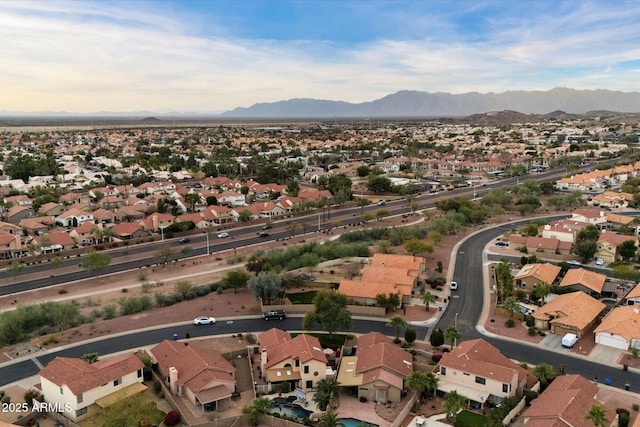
(468, 305)
(12, 372)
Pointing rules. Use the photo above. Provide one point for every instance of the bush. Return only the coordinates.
(635, 407)
(510, 323)
(529, 395)
(6, 399)
(436, 358)
(623, 420)
(62, 291)
(529, 320)
(109, 311)
(219, 290)
(172, 418)
(542, 333)
(142, 276)
(532, 331)
(30, 395)
(410, 335)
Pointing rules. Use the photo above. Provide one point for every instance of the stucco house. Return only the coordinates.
(566, 402)
(82, 387)
(609, 243)
(376, 370)
(620, 328)
(587, 281)
(575, 313)
(200, 374)
(300, 360)
(531, 274)
(478, 371)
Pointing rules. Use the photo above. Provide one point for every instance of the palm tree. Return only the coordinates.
(544, 373)
(397, 322)
(542, 290)
(452, 334)
(330, 419)
(427, 298)
(259, 405)
(510, 305)
(326, 390)
(420, 382)
(598, 415)
(453, 402)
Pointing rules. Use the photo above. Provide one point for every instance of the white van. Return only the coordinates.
(569, 340)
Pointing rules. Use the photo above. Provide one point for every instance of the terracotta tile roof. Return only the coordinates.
(576, 309)
(481, 358)
(546, 272)
(81, 376)
(191, 361)
(365, 289)
(567, 399)
(303, 347)
(634, 292)
(623, 321)
(380, 374)
(397, 261)
(377, 352)
(586, 278)
(615, 239)
(619, 219)
(396, 276)
(60, 238)
(273, 338)
(6, 238)
(126, 228)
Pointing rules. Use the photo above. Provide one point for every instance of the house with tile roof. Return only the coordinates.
(531, 274)
(299, 360)
(157, 222)
(218, 214)
(632, 297)
(201, 374)
(620, 328)
(51, 209)
(617, 221)
(609, 243)
(478, 371)
(83, 387)
(574, 312)
(592, 215)
(387, 274)
(535, 244)
(565, 230)
(566, 402)
(17, 213)
(128, 231)
(376, 370)
(11, 246)
(73, 217)
(612, 199)
(587, 281)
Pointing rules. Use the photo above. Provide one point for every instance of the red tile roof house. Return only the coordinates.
(377, 370)
(11, 246)
(200, 374)
(157, 222)
(82, 387)
(620, 328)
(589, 282)
(541, 245)
(478, 371)
(575, 313)
(531, 274)
(608, 244)
(128, 230)
(299, 360)
(74, 217)
(566, 402)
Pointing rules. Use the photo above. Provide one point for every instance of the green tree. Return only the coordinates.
(597, 415)
(417, 246)
(265, 286)
(95, 261)
(504, 280)
(452, 335)
(427, 298)
(545, 373)
(410, 335)
(165, 253)
(90, 357)
(291, 228)
(453, 402)
(326, 390)
(420, 382)
(397, 322)
(542, 290)
(511, 305)
(379, 184)
(436, 339)
(191, 199)
(586, 249)
(329, 419)
(330, 312)
(259, 405)
(236, 279)
(628, 250)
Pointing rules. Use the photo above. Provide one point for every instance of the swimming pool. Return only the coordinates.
(290, 410)
(352, 422)
(609, 301)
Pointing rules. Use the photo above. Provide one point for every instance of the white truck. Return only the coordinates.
(569, 340)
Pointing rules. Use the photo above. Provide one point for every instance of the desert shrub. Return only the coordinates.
(510, 323)
(109, 311)
(219, 290)
(532, 331)
(529, 320)
(529, 395)
(134, 305)
(410, 335)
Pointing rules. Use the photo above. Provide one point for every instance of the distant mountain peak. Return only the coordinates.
(413, 103)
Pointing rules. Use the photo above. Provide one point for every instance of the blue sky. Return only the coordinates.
(212, 56)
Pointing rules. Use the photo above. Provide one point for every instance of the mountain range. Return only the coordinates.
(408, 103)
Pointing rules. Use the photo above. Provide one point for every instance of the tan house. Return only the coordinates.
(51, 209)
(128, 230)
(574, 313)
(218, 214)
(81, 388)
(200, 374)
(377, 370)
(591, 215)
(541, 245)
(300, 360)
(531, 274)
(609, 243)
(17, 213)
(478, 371)
(620, 328)
(157, 222)
(587, 281)
(11, 246)
(565, 230)
(566, 402)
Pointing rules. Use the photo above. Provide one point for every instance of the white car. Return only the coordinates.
(204, 320)
(223, 235)
(574, 263)
(453, 286)
(599, 261)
